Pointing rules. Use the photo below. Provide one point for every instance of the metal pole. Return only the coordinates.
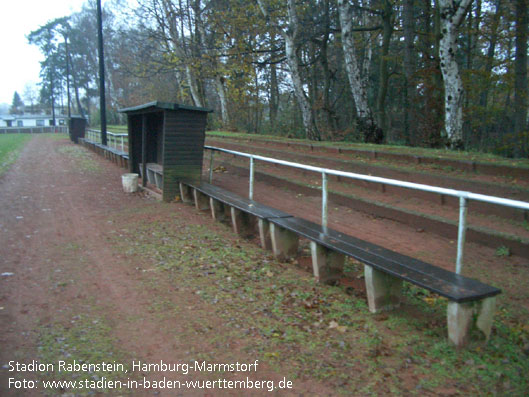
(324, 201)
(122, 143)
(211, 166)
(102, 100)
(461, 233)
(250, 195)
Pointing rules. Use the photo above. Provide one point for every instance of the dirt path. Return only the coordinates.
(56, 221)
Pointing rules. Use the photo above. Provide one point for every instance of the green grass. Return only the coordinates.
(302, 329)
(85, 339)
(10, 147)
(83, 158)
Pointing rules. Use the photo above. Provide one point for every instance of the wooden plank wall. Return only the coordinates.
(183, 149)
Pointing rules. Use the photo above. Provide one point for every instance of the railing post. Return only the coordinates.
(324, 201)
(250, 195)
(211, 166)
(461, 234)
(122, 143)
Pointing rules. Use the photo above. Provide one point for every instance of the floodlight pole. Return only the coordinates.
(102, 102)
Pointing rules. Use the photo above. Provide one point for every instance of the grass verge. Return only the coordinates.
(10, 147)
(277, 313)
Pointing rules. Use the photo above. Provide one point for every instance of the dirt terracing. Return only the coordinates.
(86, 271)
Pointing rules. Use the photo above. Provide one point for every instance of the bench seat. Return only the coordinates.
(243, 204)
(154, 174)
(455, 287)
(471, 302)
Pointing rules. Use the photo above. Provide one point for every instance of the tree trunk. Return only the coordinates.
(452, 14)
(221, 91)
(490, 55)
(274, 97)
(520, 73)
(410, 63)
(290, 34)
(357, 82)
(387, 30)
(195, 92)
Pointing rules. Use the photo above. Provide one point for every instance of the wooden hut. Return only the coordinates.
(166, 144)
(76, 128)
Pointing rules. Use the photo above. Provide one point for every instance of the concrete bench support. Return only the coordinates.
(218, 212)
(264, 234)
(383, 290)
(201, 200)
(284, 242)
(241, 222)
(327, 264)
(462, 317)
(158, 180)
(186, 193)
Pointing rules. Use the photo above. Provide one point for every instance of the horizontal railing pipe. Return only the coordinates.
(394, 182)
(464, 196)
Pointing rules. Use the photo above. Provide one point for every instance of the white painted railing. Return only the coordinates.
(464, 196)
(115, 140)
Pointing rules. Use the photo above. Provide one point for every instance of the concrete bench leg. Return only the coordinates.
(217, 209)
(242, 222)
(461, 317)
(383, 290)
(158, 180)
(201, 201)
(264, 234)
(327, 264)
(186, 195)
(284, 242)
(150, 176)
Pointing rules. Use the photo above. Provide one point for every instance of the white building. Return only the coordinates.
(31, 120)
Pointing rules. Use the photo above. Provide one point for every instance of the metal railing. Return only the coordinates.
(115, 140)
(464, 196)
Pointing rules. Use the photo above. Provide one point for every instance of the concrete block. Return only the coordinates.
(201, 200)
(284, 242)
(158, 180)
(186, 193)
(217, 209)
(264, 234)
(462, 318)
(327, 264)
(242, 222)
(459, 319)
(383, 290)
(485, 315)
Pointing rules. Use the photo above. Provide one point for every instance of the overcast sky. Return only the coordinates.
(20, 61)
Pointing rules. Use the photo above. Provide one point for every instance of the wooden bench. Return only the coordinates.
(225, 205)
(471, 303)
(154, 174)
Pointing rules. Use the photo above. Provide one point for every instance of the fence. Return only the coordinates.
(464, 196)
(114, 140)
(34, 130)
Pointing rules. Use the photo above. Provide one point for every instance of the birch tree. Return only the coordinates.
(290, 34)
(452, 13)
(356, 70)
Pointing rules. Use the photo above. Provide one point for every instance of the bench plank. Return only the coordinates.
(443, 282)
(252, 207)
